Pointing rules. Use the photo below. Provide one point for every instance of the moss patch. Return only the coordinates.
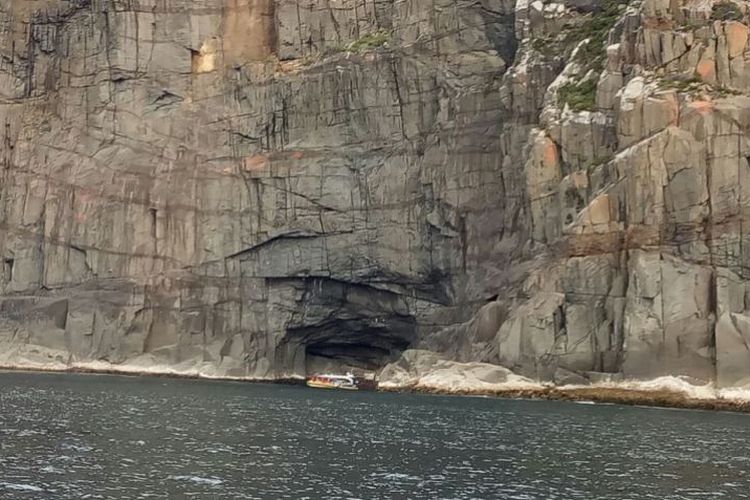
(725, 92)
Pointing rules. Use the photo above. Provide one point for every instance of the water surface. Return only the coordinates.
(102, 437)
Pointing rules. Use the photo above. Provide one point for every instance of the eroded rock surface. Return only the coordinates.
(262, 188)
(417, 370)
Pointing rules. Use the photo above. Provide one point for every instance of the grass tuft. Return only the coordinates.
(369, 42)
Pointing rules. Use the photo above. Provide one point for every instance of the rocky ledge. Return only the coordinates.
(428, 373)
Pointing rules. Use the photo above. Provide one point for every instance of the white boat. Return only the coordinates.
(326, 381)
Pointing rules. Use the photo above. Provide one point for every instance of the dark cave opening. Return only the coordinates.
(355, 354)
(362, 343)
(343, 326)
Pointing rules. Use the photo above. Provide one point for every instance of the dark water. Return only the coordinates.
(113, 437)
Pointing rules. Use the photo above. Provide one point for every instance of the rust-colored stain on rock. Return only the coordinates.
(256, 162)
(249, 31)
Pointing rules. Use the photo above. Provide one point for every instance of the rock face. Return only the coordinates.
(261, 188)
(248, 185)
(637, 183)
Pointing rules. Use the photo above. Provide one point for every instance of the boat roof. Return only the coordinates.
(328, 375)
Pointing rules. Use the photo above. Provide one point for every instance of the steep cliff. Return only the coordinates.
(637, 183)
(261, 188)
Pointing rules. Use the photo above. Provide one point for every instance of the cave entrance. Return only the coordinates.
(340, 326)
(353, 345)
(360, 354)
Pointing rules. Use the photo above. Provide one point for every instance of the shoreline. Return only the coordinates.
(83, 370)
(596, 394)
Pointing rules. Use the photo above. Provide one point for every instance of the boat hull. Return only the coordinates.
(326, 385)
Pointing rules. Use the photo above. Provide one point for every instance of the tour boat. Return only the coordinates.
(346, 382)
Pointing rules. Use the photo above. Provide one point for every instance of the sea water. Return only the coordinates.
(102, 437)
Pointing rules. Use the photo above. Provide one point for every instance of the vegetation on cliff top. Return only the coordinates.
(593, 31)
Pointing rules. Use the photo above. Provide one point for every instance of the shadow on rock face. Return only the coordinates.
(347, 325)
(360, 343)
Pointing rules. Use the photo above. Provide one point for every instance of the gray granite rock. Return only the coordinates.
(259, 188)
(249, 186)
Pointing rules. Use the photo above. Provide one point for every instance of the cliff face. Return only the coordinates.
(262, 188)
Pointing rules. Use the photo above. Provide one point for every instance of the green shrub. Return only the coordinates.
(726, 11)
(595, 27)
(369, 42)
(591, 56)
(580, 96)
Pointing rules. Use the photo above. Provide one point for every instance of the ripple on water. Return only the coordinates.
(49, 469)
(141, 438)
(210, 481)
(27, 488)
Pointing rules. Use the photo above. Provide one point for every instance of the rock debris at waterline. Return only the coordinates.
(427, 372)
